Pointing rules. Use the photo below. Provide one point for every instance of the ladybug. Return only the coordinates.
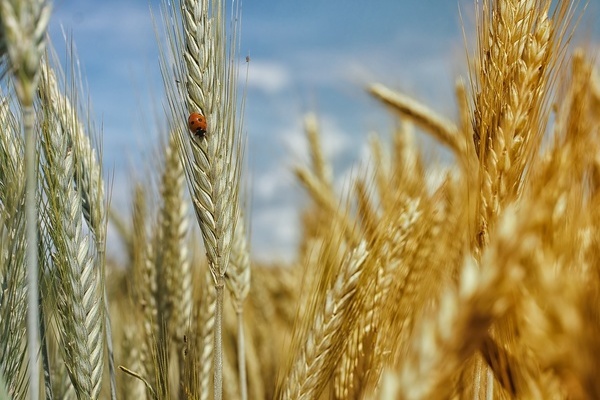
(197, 124)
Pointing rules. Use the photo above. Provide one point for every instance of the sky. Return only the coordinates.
(306, 56)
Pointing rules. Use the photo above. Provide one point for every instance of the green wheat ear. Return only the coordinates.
(77, 275)
(13, 296)
(22, 39)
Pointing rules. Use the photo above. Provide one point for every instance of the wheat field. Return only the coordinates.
(478, 278)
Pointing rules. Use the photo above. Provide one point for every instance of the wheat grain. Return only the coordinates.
(382, 172)
(367, 214)
(238, 277)
(212, 164)
(325, 200)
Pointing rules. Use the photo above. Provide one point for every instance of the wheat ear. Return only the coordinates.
(442, 129)
(143, 285)
(13, 297)
(518, 49)
(483, 296)
(314, 363)
(174, 260)
(89, 182)
(23, 29)
(319, 165)
(80, 302)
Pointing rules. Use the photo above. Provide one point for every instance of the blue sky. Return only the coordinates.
(311, 55)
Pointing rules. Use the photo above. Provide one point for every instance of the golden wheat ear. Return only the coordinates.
(315, 360)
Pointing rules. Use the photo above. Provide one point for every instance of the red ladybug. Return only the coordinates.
(197, 124)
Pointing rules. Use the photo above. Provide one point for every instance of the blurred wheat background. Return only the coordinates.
(473, 278)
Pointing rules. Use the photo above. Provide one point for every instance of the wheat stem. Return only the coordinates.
(241, 353)
(33, 317)
(218, 355)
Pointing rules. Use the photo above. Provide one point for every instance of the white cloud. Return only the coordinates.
(269, 184)
(268, 76)
(277, 233)
(335, 141)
